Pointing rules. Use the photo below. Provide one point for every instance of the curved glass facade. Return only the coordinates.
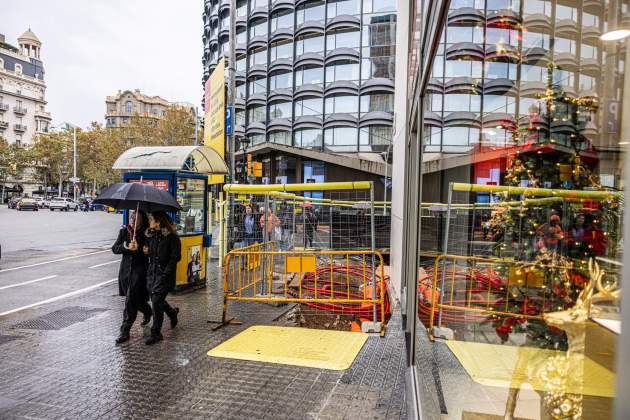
(323, 67)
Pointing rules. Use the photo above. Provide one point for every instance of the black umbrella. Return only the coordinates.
(135, 195)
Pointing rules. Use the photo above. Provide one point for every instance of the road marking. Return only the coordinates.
(105, 263)
(43, 302)
(28, 282)
(53, 261)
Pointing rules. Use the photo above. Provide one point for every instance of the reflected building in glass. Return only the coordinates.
(314, 83)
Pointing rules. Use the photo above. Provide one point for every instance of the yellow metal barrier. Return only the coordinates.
(467, 288)
(339, 281)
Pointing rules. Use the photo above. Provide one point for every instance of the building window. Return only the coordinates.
(383, 102)
(500, 70)
(343, 7)
(241, 36)
(280, 110)
(241, 63)
(309, 75)
(241, 91)
(128, 107)
(313, 106)
(239, 118)
(256, 114)
(342, 104)
(375, 138)
(314, 10)
(281, 49)
(312, 43)
(308, 138)
(257, 86)
(255, 139)
(281, 81)
(258, 57)
(342, 71)
(532, 7)
(343, 39)
(378, 67)
(282, 20)
(258, 28)
(341, 139)
(241, 8)
(280, 137)
(380, 6)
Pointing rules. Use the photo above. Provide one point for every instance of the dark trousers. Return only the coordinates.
(309, 238)
(134, 302)
(160, 306)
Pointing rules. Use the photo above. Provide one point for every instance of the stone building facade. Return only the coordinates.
(22, 90)
(127, 103)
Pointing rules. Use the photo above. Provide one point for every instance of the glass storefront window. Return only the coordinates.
(529, 219)
(190, 195)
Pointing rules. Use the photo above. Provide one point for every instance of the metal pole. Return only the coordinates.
(74, 162)
(445, 249)
(373, 247)
(330, 227)
(265, 240)
(232, 84)
(196, 127)
(386, 177)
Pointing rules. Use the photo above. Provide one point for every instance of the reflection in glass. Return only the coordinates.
(190, 196)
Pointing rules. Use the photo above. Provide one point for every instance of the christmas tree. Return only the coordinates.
(557, 236)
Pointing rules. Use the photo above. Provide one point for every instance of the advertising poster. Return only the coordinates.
(194, 264)
(214, 108)
(160, 184)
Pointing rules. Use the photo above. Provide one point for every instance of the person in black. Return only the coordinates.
(310, 224)
(132, 275)
(164, 250)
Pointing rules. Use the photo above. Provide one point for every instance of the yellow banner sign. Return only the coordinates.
(214, 126)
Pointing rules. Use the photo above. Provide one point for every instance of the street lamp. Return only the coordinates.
(67, 126)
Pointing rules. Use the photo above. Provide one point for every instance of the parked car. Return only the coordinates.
(42, 203)
(61, 203)
(13, 201)
(27, 203)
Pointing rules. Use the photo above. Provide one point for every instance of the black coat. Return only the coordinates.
(165, 251)
(134, 264)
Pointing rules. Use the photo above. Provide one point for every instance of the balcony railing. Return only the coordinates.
(19, 110)
(4, 107)
(19, 127)
(3, 125)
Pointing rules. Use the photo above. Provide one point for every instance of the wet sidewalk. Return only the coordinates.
(60, 361)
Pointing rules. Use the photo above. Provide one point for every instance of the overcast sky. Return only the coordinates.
(93, 48)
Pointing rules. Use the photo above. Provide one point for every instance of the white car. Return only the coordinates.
(60, 203)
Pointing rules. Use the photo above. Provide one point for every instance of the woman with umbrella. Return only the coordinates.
(159, 243)
(132, 275)
(164, 250)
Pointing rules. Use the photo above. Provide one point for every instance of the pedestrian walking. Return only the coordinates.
(252, 232)
(132, 275)
(164, 250)
(310, 224)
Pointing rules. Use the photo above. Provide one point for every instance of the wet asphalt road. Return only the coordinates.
(48, 255)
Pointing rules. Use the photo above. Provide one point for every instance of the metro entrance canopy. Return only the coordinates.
(200, 159)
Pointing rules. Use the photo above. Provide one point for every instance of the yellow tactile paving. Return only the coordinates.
(322, 349)
(511, 366)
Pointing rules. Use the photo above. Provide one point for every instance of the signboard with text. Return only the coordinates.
(160, 184)
(214, 108)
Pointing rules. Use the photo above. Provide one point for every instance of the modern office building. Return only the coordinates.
(512, 100)
(314, 84)
(128, 103)
(22, 90)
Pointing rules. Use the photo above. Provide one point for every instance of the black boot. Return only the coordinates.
(173, 318)
(153, 339)
(122, 338)
(146, 320)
